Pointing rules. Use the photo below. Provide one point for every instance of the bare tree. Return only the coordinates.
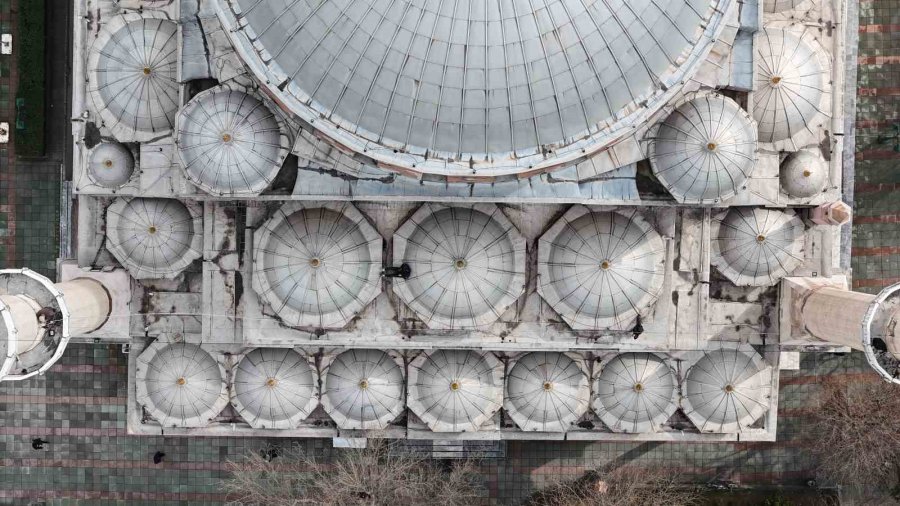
(381, 474)
(624, 486)
(857, 432)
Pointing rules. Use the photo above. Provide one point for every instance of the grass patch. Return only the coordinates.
(29, 49)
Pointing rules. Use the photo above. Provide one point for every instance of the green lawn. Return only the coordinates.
(29, 48)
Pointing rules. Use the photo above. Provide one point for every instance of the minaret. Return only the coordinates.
(861, 321)
(38, 317)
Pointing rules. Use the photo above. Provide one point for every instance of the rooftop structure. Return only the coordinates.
(488, 221)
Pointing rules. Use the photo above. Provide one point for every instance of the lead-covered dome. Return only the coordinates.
(635, 392)
(497, 86)
(775, 6)
(274, 388)
(110, 165)
(599, 270)
(727, 390)
(363, 389)
(757, 246)
(804, 174)
(705, 150)
(230, 143)
(153, 238)
(793, 88)
(317, 266)
(455, 390)
(467, 263)
(180, 384)
(133, 75)
(547, 392)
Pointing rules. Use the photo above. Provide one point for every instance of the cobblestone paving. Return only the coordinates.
(80, 405)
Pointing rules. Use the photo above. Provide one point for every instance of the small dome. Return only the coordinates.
(599, 270)
(434, 87)
(635, 393)
(317, 266)
(705, 150)
(774, 6)
(455, 390)
(792, 82)
(727, 390)
(153, 238)
(804, 174)
(363, 389)
(180, 385)
(468, 264)
(230, 143)
(110, 165)
(756, 246)
(132, 75)
(274, 388)
(547, 392)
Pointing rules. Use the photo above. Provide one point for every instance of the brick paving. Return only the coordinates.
(30, 189)
(876, 226)
(80, 404)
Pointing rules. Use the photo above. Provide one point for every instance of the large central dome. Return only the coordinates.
(481, 88)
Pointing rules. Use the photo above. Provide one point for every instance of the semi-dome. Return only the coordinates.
(230, 143)
(727, 390)
(547, 392)
(705, 150)
(467, 262)
(478, 88)
(317, 266)
(599, 270)
(274, 388)
(153, 238)
(455, 390)
(363, 389)
(133, 75)
(757, 246)
(110, 165)
(180, 385)
(635, 392)
(792, 86)
(804, 174)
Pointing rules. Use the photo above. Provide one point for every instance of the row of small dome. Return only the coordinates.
(319, 265)
(231, 143)
(725, 390)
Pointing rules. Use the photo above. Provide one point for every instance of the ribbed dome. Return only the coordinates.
(153, 238)
(756, 246)
(317, 266)
(547, 392)
(773, 6)
(792, 85)
(472, 81)
(468, 264)
(132, 75)
(230, 143)
(705, 150)
(110, 165)
(804, 174)
(180, 385)
(727, 390)
(363, 389)
(635, 392)
(598, 270)
(274, 388)
(455, 390)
